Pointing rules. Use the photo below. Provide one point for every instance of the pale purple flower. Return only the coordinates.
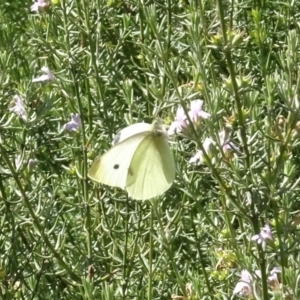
(265, 234)
(196, 113)
(19, 108)
(227, 148)
(74, 124)
(198, 158)
(225, 143)
(31, 163)
(273, 274)
(45, 77)
(180, 123)
(39, 5)
(273, 278)
(243, 287)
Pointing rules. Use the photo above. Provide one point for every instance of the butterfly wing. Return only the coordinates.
(131, 130)
(152, 168)
(112, 167)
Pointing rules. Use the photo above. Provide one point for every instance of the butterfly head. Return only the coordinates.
(158, 127)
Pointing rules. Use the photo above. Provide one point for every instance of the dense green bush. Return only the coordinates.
(228, 226)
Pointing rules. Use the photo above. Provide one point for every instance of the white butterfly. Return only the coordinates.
(140, 161)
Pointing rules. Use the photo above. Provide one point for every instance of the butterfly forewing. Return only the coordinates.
(112, 167)
(130, 131)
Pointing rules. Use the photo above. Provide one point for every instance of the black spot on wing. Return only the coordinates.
(116, 166)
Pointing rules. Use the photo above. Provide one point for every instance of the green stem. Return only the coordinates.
(84, 168)
(238, 104)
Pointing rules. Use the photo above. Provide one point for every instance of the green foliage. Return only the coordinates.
(120, 62)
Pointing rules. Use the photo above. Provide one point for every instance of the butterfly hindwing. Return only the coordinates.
(112, 167)
(152, 169)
